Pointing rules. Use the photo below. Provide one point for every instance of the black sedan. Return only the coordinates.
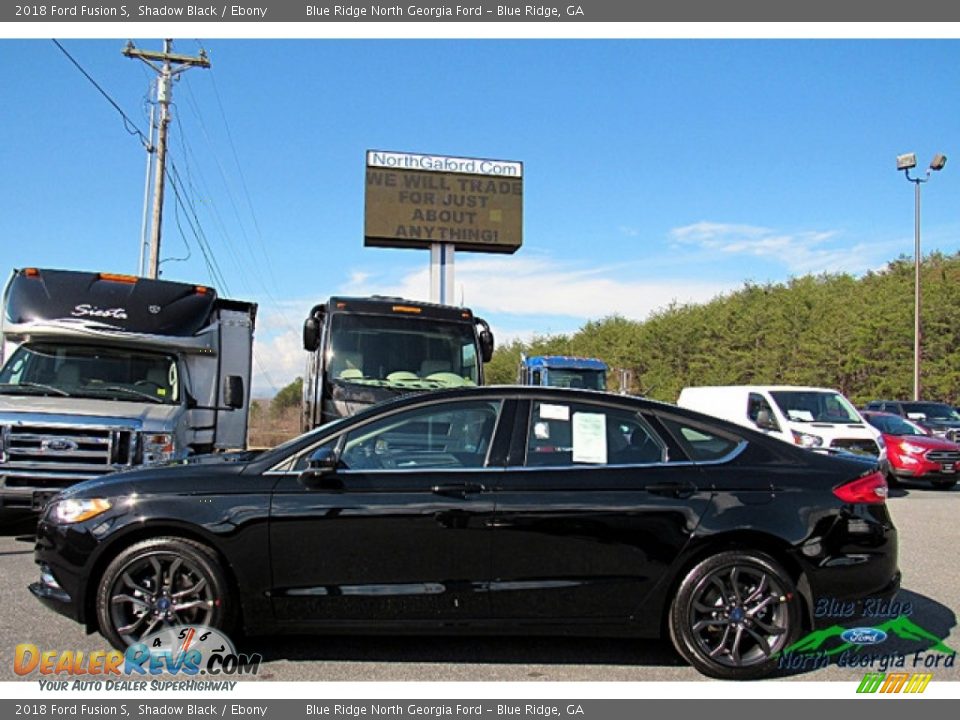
(501, 509)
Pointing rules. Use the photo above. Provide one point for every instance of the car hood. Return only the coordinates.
(192, 478)
(925, 441)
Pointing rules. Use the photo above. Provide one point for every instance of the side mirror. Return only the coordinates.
(486, 341)
(233, 392)
(312, 326)
(321, 467)
(765, 421)
(311, 334)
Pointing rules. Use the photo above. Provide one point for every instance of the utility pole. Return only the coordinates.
(172, 65)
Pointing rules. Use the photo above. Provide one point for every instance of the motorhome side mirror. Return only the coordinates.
(311, 334)
(233, 391)
(486, 345)
(321, 466)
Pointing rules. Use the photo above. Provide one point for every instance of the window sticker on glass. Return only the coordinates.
(554, 412)
(589, 437)
(800, 415)
(541, 431)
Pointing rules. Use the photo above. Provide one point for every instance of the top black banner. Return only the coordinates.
(324, 11)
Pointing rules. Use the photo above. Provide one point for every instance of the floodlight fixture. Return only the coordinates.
(939, 160)
(906, 161)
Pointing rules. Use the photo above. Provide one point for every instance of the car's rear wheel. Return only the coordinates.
(159, 583)
(733, 614)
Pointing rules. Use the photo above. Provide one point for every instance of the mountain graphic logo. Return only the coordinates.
(902, 626)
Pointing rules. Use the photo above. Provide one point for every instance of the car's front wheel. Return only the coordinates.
(159, 583)
(734, 613)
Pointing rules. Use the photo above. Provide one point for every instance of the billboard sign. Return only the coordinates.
(414, 200)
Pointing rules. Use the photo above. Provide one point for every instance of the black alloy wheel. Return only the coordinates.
(733, 615)
(160, 583)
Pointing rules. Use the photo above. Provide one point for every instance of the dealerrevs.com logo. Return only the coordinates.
(183, 650)
(899, 682)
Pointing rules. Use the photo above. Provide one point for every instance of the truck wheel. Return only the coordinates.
(159, 583)
(733, 614)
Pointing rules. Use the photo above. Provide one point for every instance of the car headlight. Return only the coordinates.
(807, 440)
(157, 447)
(67, 512)
(912, 449)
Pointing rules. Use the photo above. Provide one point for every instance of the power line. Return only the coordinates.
(131, 126)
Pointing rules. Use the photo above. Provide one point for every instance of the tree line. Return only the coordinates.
(854, 334)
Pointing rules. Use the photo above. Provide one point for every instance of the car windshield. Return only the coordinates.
(108, 373)
(815, 406)
(931, 411)
(895, 425)
(401, 353)
(589, 379)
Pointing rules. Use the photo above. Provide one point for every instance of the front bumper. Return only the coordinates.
(49, 592)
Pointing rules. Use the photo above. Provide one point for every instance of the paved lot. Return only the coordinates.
(929, 533)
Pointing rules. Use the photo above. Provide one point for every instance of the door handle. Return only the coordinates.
(458, 490)
(672, 489)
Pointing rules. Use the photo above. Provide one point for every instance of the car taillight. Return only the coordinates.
(870, 488)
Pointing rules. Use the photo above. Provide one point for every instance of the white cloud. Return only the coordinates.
(804, 251)
(540, 287)
(519, 297)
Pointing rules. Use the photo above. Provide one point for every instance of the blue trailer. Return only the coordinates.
(563, 371)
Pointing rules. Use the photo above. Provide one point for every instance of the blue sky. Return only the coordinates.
(654, 170)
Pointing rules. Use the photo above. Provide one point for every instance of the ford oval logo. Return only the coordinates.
(864, 636)
(58, 444)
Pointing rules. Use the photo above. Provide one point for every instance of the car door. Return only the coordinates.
(399, 531)
(595, 504)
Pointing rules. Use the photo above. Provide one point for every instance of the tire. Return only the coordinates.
(733, 614)
(129, 606)
(943, 484)
(892, 480)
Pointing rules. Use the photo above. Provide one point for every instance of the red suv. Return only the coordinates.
(913, 453)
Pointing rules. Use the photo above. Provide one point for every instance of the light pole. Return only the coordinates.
(907, 162)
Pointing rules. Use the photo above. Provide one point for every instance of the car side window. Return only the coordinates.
(450, 435)
(567, 434)
(699, 443)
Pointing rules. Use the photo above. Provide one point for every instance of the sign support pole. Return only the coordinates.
(441, 273)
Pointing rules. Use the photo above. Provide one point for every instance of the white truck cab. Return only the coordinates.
(812, 417)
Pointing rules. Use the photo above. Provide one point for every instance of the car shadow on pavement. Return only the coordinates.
(915, 626)
(472, 649)
(19, 524)
(933, 619)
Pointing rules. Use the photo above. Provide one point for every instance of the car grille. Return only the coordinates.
(943, 456)
(51, 456)
(860, 447)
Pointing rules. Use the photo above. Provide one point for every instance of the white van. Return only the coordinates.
(808, 416)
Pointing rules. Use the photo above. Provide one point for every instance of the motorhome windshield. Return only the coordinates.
(815, 406)
(109, 373)
(401, 353)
